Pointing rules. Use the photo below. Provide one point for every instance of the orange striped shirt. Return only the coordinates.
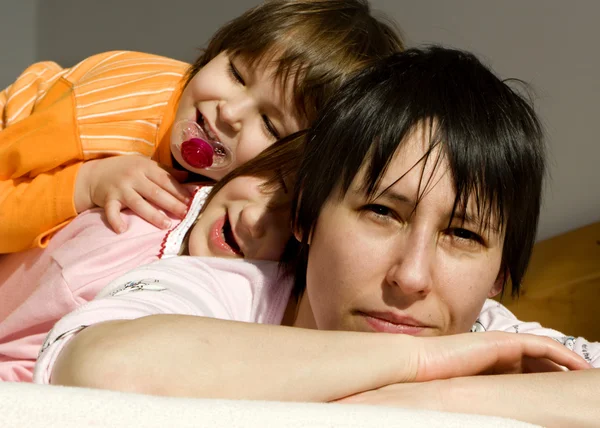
(53, 119)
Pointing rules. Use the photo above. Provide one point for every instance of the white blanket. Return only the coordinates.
(32, 406)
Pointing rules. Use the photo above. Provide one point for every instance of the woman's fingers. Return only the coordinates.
(543, 348)
(492, 352)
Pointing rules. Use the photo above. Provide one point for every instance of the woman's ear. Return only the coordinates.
(498, 283)
(298, 236)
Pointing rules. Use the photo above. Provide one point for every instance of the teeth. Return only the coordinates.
(207, 129)
(210, 134)
(229, 238)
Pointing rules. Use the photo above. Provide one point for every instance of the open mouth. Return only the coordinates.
(229, 238)
(205, 128)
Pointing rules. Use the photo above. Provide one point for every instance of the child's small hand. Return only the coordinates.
(120, 182)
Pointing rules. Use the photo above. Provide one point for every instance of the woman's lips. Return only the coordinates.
(391, 323)
(216, 238)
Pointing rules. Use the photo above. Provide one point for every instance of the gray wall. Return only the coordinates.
(550, 43)
(174, 28)
(18, 34)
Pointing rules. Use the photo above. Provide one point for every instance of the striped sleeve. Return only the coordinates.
(121, 102)
(19, 100)
(54, 119)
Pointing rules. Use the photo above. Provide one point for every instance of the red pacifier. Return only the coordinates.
(198, 150)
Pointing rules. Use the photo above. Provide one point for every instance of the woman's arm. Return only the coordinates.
(570, 399)
(203, 357)
(182, 355)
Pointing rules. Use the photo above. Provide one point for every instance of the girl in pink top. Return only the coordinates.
(245, 215)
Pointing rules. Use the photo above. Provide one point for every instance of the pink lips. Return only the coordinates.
(197, 153)
(216, 239)
(391, 323)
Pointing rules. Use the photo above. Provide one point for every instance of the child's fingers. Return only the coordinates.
(167, 182)
(177, 174)
(145, 210)
(113, 216)
(161, 198)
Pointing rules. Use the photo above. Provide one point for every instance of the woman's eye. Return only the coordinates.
(270, 128)
(378, 210)
(235, 74)
(466, 235)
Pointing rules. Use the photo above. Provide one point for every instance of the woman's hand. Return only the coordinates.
(530, 398)
(471, 354)
(134, 182)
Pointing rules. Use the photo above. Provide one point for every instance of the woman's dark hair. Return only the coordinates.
(489, 135)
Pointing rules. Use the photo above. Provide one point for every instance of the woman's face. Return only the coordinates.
(378, 266)
(243, 220)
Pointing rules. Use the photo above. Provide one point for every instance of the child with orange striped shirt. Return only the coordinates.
(263, 76)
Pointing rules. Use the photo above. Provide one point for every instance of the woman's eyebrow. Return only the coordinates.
(466, 217)
(396, 197)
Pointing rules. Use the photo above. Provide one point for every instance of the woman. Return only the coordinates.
(429, 208)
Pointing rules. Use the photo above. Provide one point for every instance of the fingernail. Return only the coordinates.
(166, 223)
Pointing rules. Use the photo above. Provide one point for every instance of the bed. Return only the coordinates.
(561, 289)
(31, 406)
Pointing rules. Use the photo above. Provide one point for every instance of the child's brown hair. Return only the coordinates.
(319, 43)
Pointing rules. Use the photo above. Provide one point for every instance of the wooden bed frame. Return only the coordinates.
(561, 289)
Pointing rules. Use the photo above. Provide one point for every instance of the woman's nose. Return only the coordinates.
(410, 272)
(235, 110)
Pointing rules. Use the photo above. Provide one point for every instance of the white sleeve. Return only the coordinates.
(494, 316)
(180, 285)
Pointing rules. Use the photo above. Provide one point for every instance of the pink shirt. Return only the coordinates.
(40, 286)
(231, 289)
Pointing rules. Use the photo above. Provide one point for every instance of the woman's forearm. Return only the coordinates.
(550, 399)
(181, 355)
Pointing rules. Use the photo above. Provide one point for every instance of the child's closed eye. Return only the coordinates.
(270, 128)
(235, 74)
